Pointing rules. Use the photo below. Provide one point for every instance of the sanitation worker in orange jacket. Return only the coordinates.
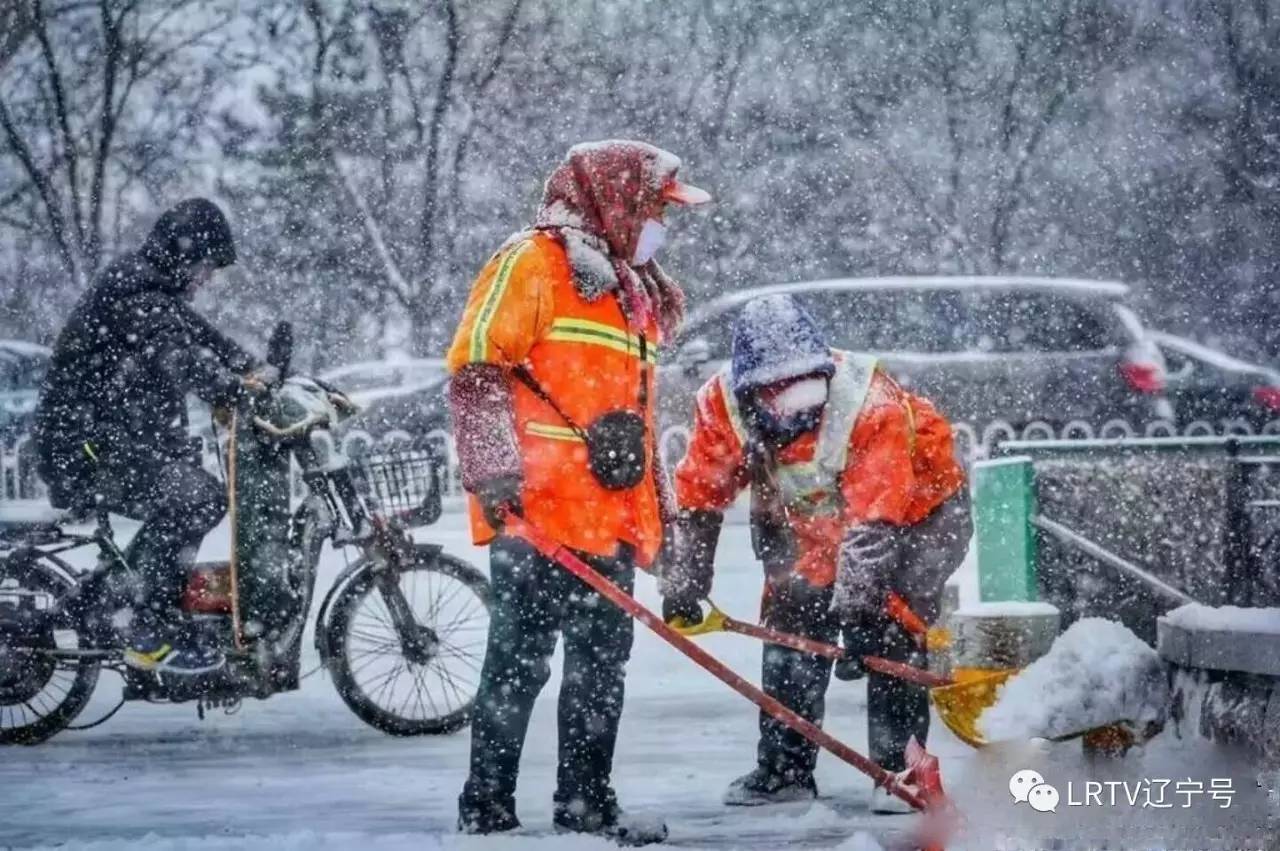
(553, 408)
(855, 491)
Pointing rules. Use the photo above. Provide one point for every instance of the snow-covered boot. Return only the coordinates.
(763, 786)
(882, 803)
(611, 822)
(486, 818)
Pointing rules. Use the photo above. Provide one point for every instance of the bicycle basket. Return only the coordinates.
(402, 485)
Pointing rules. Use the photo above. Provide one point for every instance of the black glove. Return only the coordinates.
(856, 644)
(683, 606)
(687, 565)
(497, 497)
(865, 571)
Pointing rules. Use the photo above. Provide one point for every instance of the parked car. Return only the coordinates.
(22, 369)
(1208, 385)
(369, 381)
(1014, 349)
(402, 398)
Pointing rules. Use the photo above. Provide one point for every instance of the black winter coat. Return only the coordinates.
(121, 368)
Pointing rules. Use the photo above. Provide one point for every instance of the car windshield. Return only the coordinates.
(947, 321)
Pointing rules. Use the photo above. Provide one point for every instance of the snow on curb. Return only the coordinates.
(1225, 618)
(1096, 673)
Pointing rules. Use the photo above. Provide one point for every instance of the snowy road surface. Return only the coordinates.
(300, 771)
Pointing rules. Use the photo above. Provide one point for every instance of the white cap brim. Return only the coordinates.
(686, 194)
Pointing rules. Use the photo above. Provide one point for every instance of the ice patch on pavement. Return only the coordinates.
(1096, 673)
(1225, 618)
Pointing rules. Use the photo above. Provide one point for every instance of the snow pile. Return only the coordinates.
(1096, 673)
(1225, 618)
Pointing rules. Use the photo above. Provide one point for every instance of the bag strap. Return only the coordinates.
(529, 381)
(526, 378)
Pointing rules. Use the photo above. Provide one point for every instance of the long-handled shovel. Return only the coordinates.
(717, 621)
(920, 795)
(959, 701)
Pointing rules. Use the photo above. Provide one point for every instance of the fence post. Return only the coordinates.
(1239, 576)
(1003, 505)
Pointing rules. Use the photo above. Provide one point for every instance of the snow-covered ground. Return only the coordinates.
(301, 772)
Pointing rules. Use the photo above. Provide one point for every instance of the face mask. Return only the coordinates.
(652, 234)
(799, 398)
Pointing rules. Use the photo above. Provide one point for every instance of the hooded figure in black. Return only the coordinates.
(111, 429)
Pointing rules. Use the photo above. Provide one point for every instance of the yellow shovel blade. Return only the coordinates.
(960, 704)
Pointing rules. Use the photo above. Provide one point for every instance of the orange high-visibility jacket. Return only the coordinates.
(525, 309)
(895, 463)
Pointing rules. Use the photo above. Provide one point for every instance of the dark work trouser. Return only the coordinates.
(798, 680)
(896, 710)
(178, 504)
(931, 551)
(533, 599)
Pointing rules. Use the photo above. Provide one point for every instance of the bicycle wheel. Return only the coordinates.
(40, 695)
(403, 691)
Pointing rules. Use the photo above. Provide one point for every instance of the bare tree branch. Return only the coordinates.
(478, 88)
(1010, 198)
(70, 144)
(107, 127)
(481, 82)
(48, 195)
(444, 90)
(16, 23)
(397, 285)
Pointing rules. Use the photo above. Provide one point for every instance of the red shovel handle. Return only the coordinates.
(558, 553)
(905, 672)
(900, 670)
(785, 639)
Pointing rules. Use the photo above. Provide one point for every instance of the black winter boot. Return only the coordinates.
(765, 786)
(610, 821)
(486, 817)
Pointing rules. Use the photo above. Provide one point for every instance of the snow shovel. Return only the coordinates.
(962, 703)
(920, 785)
(932, 638)
(959, 701)
(717, 621)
